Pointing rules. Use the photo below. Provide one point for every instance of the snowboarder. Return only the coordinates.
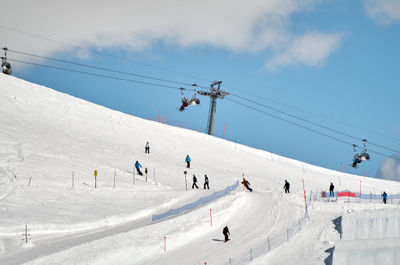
(246, 183)
(138, 166)
(225, 231)
(147, 148)
(206, 182)
(194, 182)
(188, 161)
(384, 197)
(331, 188)
(286, 187)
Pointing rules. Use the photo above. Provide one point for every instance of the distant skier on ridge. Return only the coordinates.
(188, 160)
(286, 187)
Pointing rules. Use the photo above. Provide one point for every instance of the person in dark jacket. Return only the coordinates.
(147, 148)
(331, 188)
(246, 183)
(138, 166)
(384, 197)
(188, 160)
(226, 232)
(194, 182)
(286, 187)
(206, 182)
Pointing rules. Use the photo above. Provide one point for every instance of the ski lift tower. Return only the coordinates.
(214, 93)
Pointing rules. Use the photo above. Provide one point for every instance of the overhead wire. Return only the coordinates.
(313, 123)
(104, 69)
(315, 114)
(305, 127)
(95, 74)
(102, 53)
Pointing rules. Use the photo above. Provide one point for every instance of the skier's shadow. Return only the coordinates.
(219, 240)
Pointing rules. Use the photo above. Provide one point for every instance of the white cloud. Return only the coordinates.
(239, 26)
(310, 49)
(384, 12)
(390, 168)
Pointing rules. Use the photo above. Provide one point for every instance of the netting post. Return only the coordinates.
(115, 175)
(210, 218)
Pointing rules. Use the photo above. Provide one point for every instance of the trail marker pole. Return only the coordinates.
(184, 172)
(26, 234)
(115, 174)
(223, 135)
(73, 181)
(364, 171)
(145, 171)
(210, 218)
(133, 175)
(95, 179)
(304, 191)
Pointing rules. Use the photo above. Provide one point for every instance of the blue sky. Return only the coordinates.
(337, 59)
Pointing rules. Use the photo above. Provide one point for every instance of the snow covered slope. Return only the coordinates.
(51, 143)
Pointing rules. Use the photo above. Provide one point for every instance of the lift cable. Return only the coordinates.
(305, 127)
(313, 123)
(102, 53)
(315, 114)
(98, 75)
(103, 69)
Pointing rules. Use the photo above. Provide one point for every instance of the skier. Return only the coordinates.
(286, 186)
(331, 188)
(225, 231)
(247, 184)
(206, 182)
(188, 161)
(384, 197)
(138, 166)
(147, 148)
(194, 182)
(185, 103)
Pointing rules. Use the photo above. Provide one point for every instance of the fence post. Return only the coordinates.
(95, 179)
(145, 171)
(287, 235)
(26, 234)
(133, 175)
(115, 174)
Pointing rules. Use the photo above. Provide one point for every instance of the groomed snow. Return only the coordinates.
(51, 143)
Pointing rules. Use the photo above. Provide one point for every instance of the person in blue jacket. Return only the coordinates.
(384, 197)
(206, 182)
(188, 161)
(138, 166)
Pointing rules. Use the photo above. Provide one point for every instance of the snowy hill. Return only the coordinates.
(51, 143)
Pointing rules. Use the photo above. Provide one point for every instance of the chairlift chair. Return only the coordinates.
(5, 66)
(364, 155)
